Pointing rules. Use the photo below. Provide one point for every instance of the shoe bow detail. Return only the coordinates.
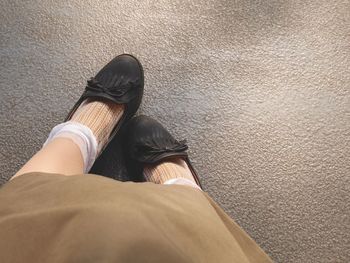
(122, 89)
(177, 147)
(146, 151)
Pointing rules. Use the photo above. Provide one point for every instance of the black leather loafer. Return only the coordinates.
(148, 142)
(120, 81)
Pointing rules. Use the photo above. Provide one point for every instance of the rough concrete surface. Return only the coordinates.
(259, 88)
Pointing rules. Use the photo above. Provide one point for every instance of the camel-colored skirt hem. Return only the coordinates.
(88, 218)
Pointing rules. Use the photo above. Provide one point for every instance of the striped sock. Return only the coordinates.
(167, 170)
(100, 116)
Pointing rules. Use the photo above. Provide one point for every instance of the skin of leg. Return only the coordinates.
(61, 156)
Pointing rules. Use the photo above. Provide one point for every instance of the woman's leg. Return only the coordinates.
(73, 146)
(61, 156)
(66, 153)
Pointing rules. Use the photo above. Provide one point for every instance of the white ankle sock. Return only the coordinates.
(182, 181)
(82, 136)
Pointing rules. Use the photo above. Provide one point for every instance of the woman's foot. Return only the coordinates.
(167, 170)
(100, 116)
(110, 99)
(156, 156)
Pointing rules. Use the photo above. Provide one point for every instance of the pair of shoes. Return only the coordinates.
(146, 141)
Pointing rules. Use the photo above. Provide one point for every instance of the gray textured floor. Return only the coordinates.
(259, 88)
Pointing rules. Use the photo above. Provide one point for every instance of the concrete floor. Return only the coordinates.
(259, 88)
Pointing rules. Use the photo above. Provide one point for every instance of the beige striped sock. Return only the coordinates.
(100, 116)
(170, 169)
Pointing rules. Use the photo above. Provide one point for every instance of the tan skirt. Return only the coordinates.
(54, 218)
